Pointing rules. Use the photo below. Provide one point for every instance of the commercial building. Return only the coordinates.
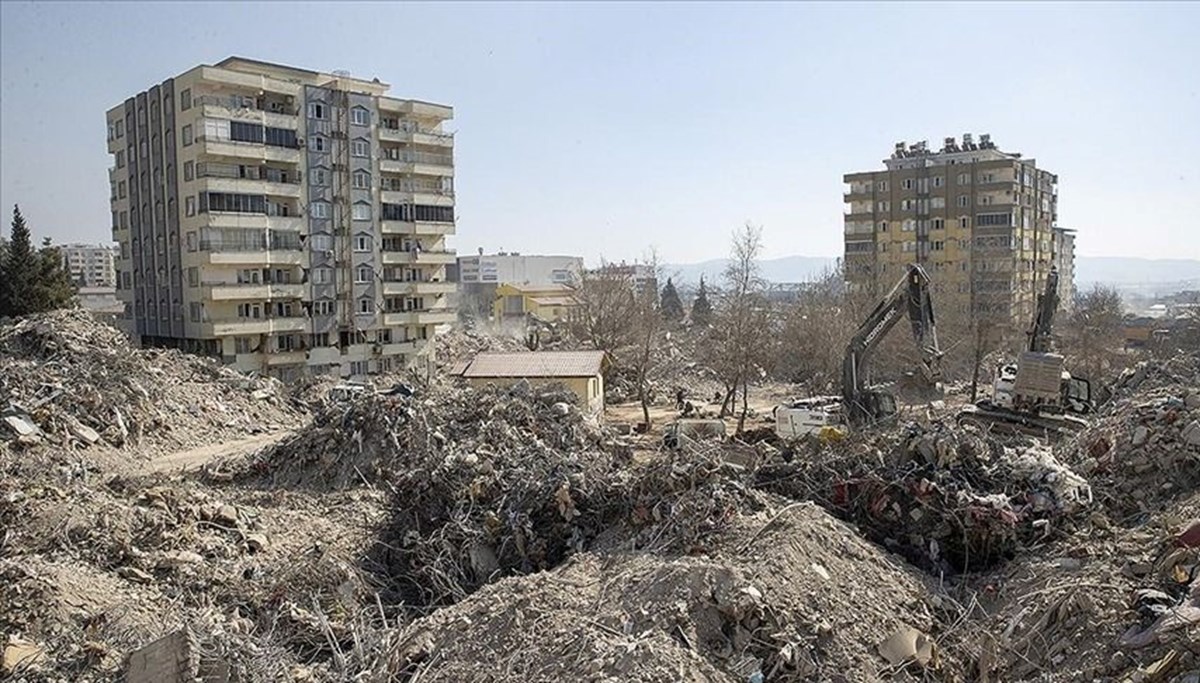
(480, 276)
(281, 219)
(90, 265)
(981, 221)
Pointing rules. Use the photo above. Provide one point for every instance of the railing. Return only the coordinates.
(233, 171)
(227, 141)
(226, 246)
(240, 102)
(410, 157)
(411, 186)
(417, 131)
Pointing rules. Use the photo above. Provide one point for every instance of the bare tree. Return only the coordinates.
(815, 331)
(604, 298)
(647, 320)
(740, 339)
(1093, 339)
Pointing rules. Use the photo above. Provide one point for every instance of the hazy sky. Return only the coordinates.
(603, 129)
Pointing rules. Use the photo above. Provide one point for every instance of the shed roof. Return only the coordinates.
(536, 364)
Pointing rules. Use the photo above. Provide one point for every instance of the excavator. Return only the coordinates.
(859, 405)
(1035, 395)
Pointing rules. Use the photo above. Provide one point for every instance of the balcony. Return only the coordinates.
(251, 186)
(416, 137)
(417, 288)
(421, 163)
(256, 151)
(285, 357)
(422, 257)
(236, 291)
(415, 228)
(250, 326)
(428, 316)
(396, 348)
(434, 195)
(253, 221)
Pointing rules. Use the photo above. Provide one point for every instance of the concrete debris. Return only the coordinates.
(20, 656)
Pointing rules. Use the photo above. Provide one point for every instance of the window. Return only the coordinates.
(358, 367)
(185, 99)
(363, 274)
(319, 209)
(316, 143)
(121, 130)
(883, 226)
(280, 137)
(907, 205)
(193, 277)
(189, 170)
(249, 276)
(362, 180)
(318, 176)
(908, 225)
(964, 222)
(907, 183)
(882, 206)
(195, 311)
(189, 206)
(364, 306)
(985, 199)
(938, 245)
(361, 212)
(124, 220)
(186, 131)
(964, 178)
(322, 276)
(938, 202)
(362, 243)
(993, 219)
(242, 345)
(937, 180)
(121, 159)
(316, 110)
(241, 131)
(360, 116)
(963, 200)
(321, 242)
(986, 177)
(882, 186)
(250, 311)
(121, 189)
(360, 148)
(938, 224)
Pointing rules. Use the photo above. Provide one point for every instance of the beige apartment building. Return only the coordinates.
(981, 221)
(284, 220)
(90, 265)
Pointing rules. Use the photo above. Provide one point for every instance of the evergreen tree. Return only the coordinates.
(31, 281)
(672, 307)
(701, 307)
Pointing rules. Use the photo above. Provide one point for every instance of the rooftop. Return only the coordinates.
(535, 364)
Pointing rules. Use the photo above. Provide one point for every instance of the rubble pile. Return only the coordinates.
(785, 594)
(1143, 449)
(674, 364)
(459, 345)
(949, 499)
(1107, 604)
(70, 380)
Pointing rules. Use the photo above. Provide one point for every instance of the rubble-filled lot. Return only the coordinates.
(499, 534)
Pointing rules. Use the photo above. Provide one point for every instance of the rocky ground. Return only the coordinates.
(499, 534)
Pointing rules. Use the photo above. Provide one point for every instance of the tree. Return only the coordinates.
(672, 306)
(816, 329)
(1093, 337)
(740, 340)
(702, 310)
(604, 299)
(647, 321)
(31, 281)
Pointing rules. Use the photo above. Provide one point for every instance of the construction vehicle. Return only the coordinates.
(859, 405)
(1036, 395)
(539, 332)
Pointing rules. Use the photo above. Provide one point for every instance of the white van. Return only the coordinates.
(800, 418)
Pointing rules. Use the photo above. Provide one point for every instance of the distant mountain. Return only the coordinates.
(1124, 273)
(1120, 270)
(786, 269)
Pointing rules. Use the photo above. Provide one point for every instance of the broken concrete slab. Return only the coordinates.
(20, 655)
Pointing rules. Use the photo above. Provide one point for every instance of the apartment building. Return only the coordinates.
(981, 221)
(90, 265)
(1064, 260)
(284, 220)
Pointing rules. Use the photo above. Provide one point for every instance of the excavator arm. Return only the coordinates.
(1043, 319)
(910, 295)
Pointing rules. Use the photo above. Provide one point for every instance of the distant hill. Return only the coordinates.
(1127, 274)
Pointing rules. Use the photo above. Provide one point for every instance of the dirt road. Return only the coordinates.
(197, 457)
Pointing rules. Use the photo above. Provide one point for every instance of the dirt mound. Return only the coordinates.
(950, 499)
(786, 594)
(68, 379)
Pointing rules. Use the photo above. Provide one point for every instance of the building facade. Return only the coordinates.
(284, 220)
(90, 265)
(1064, 260)
(979, 220)
(519, 269)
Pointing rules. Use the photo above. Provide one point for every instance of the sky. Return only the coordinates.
(605, 130)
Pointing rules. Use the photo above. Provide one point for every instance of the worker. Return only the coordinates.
(679, 398)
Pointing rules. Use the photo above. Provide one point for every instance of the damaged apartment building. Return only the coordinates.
(981, 221)
(284, 220)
